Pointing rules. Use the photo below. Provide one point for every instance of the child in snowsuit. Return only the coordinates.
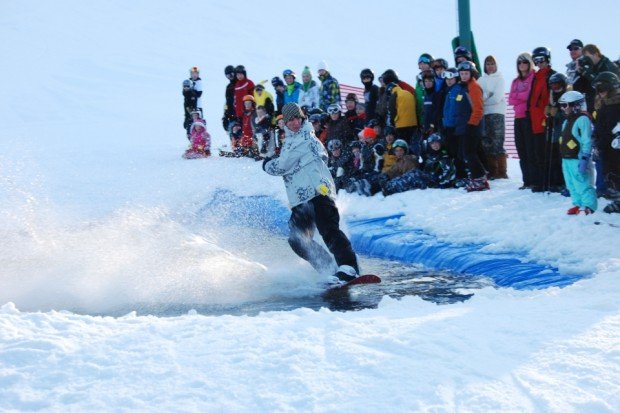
(262, 130)
(575, 148)
(200, 146)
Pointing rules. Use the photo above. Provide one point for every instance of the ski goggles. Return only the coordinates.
(539, 59)
(449, 75)
(333, 109)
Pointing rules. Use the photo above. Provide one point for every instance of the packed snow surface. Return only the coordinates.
(99, 212)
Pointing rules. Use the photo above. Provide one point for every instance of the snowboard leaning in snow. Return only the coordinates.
(362, 279)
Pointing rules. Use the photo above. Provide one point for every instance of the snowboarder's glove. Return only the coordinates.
(379, 149)
(583, 164)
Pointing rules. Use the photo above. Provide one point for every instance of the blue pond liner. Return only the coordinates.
(380, 237)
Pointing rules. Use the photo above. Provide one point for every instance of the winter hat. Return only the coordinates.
(322, 66)
(195, 124)
(291, 111)
(276, 81)
(575, 42)
(306, 71)
(369, 133)
(351, 97)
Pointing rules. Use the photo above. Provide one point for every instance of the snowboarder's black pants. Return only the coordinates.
(320, 213)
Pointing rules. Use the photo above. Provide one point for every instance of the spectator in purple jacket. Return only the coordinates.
(518, 98)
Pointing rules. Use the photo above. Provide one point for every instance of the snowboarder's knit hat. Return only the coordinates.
(306, 71)
(291, 111)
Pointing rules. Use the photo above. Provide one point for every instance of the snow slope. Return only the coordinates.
(98, 212)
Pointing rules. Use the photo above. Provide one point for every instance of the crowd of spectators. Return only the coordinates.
(447, 129)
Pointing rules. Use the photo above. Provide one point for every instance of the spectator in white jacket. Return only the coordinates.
(492, 84)
(309, 94)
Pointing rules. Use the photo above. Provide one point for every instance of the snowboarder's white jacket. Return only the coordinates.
(303, 166)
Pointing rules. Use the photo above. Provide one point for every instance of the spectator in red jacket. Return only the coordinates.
(538, 101)
(243, 87)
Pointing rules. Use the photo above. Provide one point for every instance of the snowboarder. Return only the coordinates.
(311, 192)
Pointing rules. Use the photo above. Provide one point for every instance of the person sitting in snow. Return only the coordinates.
(337, 163)
(200, 142)
(438, 172)
(386, 146)
(374, 183)
(261, 124)
(576, 148)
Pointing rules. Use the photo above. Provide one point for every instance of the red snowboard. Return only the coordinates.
(362, 279)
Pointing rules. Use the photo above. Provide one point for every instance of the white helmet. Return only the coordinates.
(574, 99)
(572, 96)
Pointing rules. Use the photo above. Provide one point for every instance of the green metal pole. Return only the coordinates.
(464, 24)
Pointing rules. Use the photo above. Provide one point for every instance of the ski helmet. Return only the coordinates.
(288, 72)
(334, 144)
(240, 69)
(367, 73)
(427, 74)
(187, 83)
(466, 66)
(400, 143)
(249, 98)
(333, 109)
(425, 58)
(541, 54)
(440, 62)
(573, 99)
(229, 70)
(276, 81)
(389, 76)
(450, 73)
(435, 137)
(461, 51)
(389, 130)
(606, 81)
(316, 117)
(557, 77)
(372, 123)
(356, 144)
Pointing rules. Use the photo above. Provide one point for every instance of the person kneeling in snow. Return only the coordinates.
(438, 172)
(575, 148)
(200, 142)
(311, 192)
